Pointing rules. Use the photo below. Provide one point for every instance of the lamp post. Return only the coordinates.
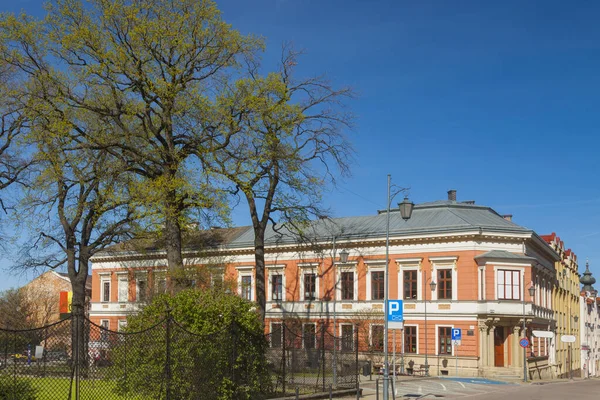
(531, 293)
(406, 208)
(343, 259)
(432, 285)
(575, 319)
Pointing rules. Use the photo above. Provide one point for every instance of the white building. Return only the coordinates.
(590, 326)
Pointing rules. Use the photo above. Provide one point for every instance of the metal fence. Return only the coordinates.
(77, 359)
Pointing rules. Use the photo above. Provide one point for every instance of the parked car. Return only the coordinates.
(56, 355)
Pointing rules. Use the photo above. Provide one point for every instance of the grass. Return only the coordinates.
(58, 388)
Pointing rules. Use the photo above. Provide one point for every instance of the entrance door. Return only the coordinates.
(499, 346)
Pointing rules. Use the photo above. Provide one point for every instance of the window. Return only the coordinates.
(410, 339)
(104, 333)
(377, 337)
(377, 285)
(160, 284)
(106, 290)
(444, 284)
(410, 285)
(276, 287)
(310, 286)
(276, 335)
(122, 324)
(123, 289)
(445, 340)
(309, 336)
(347, 337)
(347, 282)
(142, 289)
(246, 287)
(508, 285)
(216, 279)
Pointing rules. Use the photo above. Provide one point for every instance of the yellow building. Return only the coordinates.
(565, 304)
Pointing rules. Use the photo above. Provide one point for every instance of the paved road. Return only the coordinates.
(579, 389)
(466, 389)
(435, 388)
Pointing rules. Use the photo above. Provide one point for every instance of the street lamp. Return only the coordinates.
(343, 259)
(531, 293)
(406, 208)
(432, 285)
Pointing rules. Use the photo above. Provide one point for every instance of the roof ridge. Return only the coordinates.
(459, 217)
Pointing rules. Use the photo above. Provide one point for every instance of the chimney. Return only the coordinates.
(452, 195)
(507, 217)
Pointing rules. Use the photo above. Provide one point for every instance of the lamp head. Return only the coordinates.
(344, 256)
(433, 285)
(406, 208)
(531, 290)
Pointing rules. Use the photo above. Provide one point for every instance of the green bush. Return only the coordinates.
(16, 389)
(216, 348)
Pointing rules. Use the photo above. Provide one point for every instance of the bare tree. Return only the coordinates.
(286, 146)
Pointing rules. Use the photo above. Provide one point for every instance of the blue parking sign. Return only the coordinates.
(456, 334)
(395, 315)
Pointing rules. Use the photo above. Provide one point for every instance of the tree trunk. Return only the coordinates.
(259, 257)
(173, 239)
(78, 307)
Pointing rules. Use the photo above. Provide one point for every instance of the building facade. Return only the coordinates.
(43, 293)
(481, 263)
(567, 357)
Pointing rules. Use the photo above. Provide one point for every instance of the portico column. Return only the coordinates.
(516, 354)
(491, 354)
(482, 345)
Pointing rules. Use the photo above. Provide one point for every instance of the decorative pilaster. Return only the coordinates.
(517, 354)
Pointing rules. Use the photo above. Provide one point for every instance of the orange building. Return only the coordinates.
(43, 293)
(482, 263)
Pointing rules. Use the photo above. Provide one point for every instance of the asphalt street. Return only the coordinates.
(482, 389)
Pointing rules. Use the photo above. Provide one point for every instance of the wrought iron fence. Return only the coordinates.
(77, 359)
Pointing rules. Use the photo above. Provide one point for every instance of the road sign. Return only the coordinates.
(544, 334)
(456, 342)
(568, 339)
(524, 342)
(456, 334)
(395, 315)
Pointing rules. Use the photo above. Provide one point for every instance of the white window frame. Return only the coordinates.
(409, 264)
(509, 267)
(140, 276)
(122, 276)
(246, 271)
(371, 334)
(353, 335)
(437, 338)
(214, 272)
(121, 324)
(445, 263)
(271, 332)
(374, 266)
(418, 341)
(304, 334)
(498, 269)
(159, 276)
(105, 326)
(276, 270)
(345, 267)
(311, 268)
(104, 278)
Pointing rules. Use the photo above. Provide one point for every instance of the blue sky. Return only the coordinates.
(498, 100)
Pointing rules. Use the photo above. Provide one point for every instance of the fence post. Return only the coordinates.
(77, 310)
(168, 355)
(323, 351)
(283, 329)
(356, 362)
